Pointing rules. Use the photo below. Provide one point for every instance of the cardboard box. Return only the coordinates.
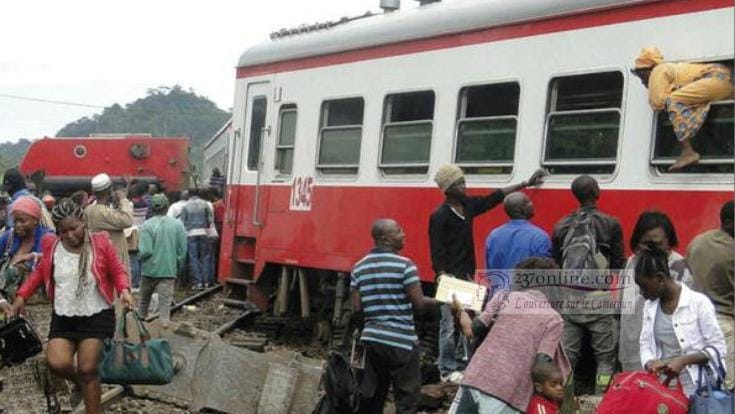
(470, 295)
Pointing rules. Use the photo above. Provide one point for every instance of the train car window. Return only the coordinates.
(486, 128)
(583, 123)
(257, 122)
(286, 139)
(340, 136)
(714, 141)
(407, 127)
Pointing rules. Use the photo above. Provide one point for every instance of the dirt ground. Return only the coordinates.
(22, 393)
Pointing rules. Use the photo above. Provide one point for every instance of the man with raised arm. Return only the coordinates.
(453, 249)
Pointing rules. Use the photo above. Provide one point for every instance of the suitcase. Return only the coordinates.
(642, 393)
(18, 342)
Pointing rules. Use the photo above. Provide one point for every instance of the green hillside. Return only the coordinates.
(165, 111)
(12, 152)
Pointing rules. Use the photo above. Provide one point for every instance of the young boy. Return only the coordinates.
(548, 384)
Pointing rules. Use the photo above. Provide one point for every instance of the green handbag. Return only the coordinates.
(126, 363)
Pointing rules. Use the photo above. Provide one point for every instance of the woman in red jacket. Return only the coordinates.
(81, 273)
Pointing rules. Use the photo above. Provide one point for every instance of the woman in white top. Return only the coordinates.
(651, 227)
(82, 274)
(679, 325)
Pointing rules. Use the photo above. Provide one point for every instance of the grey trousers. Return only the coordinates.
(602, 334)
(165, 288)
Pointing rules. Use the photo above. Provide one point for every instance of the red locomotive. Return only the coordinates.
(67, 164)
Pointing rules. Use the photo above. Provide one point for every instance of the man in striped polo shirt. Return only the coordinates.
(386, 289)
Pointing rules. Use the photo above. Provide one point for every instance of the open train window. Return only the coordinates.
(583, 123)
(340, 135)
(286, 139)
(257, 122)
(714, 141)
(486, 128)
(407, 127)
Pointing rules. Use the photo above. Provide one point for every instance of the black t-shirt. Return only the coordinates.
(451, 236)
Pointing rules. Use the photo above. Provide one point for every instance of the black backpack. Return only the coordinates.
(340, 387)
(580, 250)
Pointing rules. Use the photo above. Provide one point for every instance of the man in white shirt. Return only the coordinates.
(175, 209)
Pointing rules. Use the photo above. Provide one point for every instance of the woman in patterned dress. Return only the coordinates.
(685, 90)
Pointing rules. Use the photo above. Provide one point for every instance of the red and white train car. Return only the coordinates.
(338, 126)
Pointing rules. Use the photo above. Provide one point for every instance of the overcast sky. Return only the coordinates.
(99, 52)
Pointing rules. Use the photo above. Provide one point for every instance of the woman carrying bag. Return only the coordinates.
(679, 325)
(81, 273)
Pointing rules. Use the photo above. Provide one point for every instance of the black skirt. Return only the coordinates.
(101, 325)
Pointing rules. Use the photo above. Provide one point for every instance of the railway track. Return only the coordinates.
(208, 310)
(238, 324)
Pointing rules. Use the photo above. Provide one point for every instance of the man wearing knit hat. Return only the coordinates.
(453, 249)
(112, 213)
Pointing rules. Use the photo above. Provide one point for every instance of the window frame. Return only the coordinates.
(385, 123)
(284, 108)
(258, 159)
(657, 162)
(462, 109)
(332, 170)
(551, 103)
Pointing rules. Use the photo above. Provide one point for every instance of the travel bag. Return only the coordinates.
(127, 363)
(642, 393)
(18, 341)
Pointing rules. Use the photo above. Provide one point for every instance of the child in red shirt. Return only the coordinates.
(548, 385)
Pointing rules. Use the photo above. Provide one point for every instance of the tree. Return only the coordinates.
(12, 152)
(165, 111)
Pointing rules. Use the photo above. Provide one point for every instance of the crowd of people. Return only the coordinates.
(681, 308)
(89, 250)
(510, 361)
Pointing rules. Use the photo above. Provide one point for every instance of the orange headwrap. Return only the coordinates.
(649, 57)
(28, 205)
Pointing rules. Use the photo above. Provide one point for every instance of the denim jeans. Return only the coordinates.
(471, 401)
(213, 257)
(454, 350)
(135, 270)
(199, 258)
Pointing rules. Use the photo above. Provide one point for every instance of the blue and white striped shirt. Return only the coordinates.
(382, 279)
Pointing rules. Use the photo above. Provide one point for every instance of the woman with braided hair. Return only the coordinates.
(81, 273)
(680, 329)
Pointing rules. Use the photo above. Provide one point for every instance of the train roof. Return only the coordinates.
(218, 134)
(426, 21)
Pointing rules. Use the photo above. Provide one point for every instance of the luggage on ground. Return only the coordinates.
(642, 393)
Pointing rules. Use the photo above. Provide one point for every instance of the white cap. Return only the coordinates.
(101, 182)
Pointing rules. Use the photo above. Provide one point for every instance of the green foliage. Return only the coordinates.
(166, 111)
(12, 152)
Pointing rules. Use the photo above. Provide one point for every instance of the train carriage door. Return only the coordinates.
(250, 162)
